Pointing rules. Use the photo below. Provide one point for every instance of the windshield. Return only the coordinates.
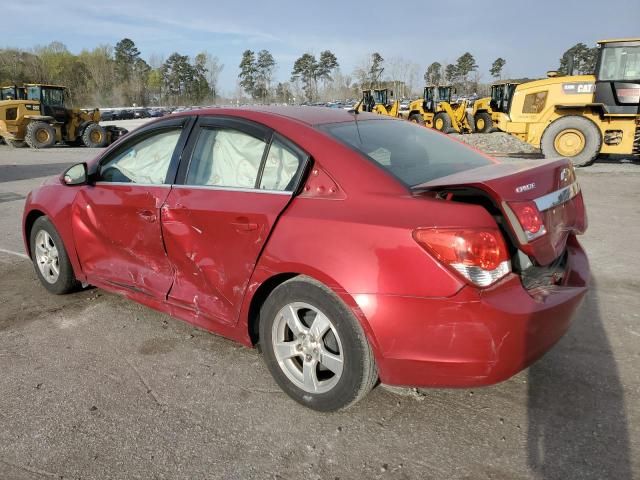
(53, 97)
(411, 153)
(620, 63)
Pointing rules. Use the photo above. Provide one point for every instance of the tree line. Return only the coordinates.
(256, 73)
(115, 75)
(118, 75)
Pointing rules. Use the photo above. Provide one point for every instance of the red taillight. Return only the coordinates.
(530, 219)
(481, 256)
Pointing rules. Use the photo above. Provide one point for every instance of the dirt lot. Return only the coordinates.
(94, 386)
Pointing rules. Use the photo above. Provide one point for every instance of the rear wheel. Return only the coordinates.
(573, 137)
(40, 135)
(483, 122)
(50, 258)
(314, 347)
(94, 136)
(442, 122)
(416, 118)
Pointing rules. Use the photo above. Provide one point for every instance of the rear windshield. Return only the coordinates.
(412, 153)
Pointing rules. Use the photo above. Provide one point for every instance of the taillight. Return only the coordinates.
(530, 219)
(480, 256)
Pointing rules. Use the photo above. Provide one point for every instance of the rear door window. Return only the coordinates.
(411, 153)
(226, 158)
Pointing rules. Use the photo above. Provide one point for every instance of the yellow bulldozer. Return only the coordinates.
(488, 111)
(378, 101)
(36, 115)
(582, 116)
(436, 110)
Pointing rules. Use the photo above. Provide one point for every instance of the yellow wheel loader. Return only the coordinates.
(38, 118)
(436, 110)
(487, 111)
(582, 116)
(377, 101)
(12, 92)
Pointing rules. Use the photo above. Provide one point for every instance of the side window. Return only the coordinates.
(534, 102)
(226, 158)
(280, 168)
(145, 162)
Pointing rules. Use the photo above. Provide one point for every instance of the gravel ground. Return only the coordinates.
(498, 143)
(94, 386)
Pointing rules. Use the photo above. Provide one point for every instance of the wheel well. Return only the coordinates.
(258, 299)
(32, 216)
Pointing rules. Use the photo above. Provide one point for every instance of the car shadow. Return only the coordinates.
(12, 173)
(577, 424)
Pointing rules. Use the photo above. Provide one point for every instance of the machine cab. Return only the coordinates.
(501, 95)
(371, 98)
(618, 76)
(51, 98)
(434, 95)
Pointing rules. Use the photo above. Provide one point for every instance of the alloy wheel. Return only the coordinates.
(307, 347)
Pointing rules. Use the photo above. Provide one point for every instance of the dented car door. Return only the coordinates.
(235, 180)
(116, 219)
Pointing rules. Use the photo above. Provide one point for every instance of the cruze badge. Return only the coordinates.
(525, 188)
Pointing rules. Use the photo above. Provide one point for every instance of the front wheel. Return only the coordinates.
(94, 136)
(50, 258)
(442, 122)
(314, 347)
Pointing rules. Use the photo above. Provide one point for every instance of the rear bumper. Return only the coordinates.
(477, 337)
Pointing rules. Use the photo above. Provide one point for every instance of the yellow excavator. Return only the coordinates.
(582, 116)
(378, 101)
(488, 111)
(36, 115)
(436, 110)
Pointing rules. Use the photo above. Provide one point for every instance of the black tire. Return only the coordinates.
(446, 122)
(416, 118)
(485, 120)
(66, 281)
(95, 136)
(588, 130)
(40, 135)
(359, 373)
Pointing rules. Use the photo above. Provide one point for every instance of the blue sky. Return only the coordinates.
(530, 35)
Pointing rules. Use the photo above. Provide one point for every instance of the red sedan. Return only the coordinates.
(353, 248)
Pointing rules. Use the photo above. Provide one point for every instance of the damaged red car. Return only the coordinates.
(352, 248)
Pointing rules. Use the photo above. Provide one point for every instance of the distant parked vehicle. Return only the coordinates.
(141, 113)
(108, 115)
(126, 114)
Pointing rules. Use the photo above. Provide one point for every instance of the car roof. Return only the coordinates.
(305, 114)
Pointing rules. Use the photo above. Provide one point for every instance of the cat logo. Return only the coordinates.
(525, 188)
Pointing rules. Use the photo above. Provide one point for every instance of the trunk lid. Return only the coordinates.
(549, 185)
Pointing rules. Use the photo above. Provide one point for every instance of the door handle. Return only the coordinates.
(147, 215)
(242, 224)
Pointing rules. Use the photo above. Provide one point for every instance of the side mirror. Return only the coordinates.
(76, 175)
